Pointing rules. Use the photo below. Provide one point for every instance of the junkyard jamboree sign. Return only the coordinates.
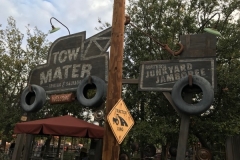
(161, 75)
(72, 58)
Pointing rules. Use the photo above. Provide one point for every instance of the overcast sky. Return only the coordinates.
(77, 15)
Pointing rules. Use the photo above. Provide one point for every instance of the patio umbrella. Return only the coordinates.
(60, 126)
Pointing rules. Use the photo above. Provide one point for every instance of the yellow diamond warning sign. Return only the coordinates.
(120, 120)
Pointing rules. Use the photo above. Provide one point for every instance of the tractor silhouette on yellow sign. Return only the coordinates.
(116, 121)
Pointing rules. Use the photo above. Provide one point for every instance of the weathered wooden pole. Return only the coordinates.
(111, 148)
(184, 127)
(16, 155)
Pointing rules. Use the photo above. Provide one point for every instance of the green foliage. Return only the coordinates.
(16, 61)
(55, 110)
(103, 26)
(166, 20)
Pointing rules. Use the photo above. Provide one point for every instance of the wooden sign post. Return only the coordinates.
(111, 148)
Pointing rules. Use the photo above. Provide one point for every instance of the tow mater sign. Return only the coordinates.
(70, 59)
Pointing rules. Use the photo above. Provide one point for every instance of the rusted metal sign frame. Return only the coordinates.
(150, 83)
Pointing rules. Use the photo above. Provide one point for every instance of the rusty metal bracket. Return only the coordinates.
(89, 80)
(30, 88)
(173, 52)
(127, 20)
(190, 80)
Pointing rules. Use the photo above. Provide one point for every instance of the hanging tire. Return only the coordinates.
(150, 150)
(33, 99)
(203, 154)
(193, 109)
(98, 98)
(173, 151)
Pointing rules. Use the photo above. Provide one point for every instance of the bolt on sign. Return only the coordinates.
(72, 58)
(161, 75)
(120, 120)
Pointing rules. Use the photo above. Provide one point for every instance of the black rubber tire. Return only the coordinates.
(150, 150)
(173, 151)
(135, 146)
(37, 95)
(193, 109)
(99, 97)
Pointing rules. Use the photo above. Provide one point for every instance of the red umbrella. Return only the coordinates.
(61, 126)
